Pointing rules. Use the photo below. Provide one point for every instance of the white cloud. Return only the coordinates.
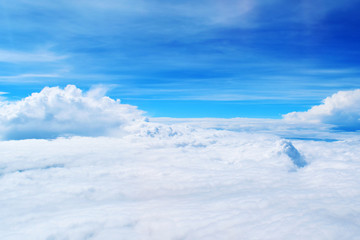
(57, 112)
(21, 57)
(30, 75)
(178, 179)
(341, 109)
(279, 127)
(198, 184)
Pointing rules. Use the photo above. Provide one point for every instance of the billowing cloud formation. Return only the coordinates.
(341, 109)
(57, 112)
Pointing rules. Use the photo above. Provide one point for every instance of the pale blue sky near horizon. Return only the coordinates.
(206, 58)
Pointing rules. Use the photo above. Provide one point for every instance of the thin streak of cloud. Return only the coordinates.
(28, 78)
(23, 57)
(330, 71)
(30, 75)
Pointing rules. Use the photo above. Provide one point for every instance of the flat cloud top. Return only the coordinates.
(203, 185)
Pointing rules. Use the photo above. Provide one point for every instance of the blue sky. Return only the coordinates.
(206, 58)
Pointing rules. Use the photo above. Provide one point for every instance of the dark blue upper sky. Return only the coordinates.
(206, 58)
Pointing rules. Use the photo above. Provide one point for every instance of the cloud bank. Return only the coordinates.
(167, 180)
(341, 110)
(55, 112)
(202, 185)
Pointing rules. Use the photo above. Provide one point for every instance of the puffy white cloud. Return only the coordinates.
(341, 109)
(57, 112)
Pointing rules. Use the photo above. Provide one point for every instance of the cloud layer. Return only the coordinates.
(55, 112)
(341, 110)
(175, 179)
(204, 184)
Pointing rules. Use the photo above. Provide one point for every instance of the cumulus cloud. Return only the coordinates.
(55, 112)
(342, 110)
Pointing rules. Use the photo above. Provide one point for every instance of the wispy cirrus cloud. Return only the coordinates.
(10, 56)
(29, 78)
(30, 75)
